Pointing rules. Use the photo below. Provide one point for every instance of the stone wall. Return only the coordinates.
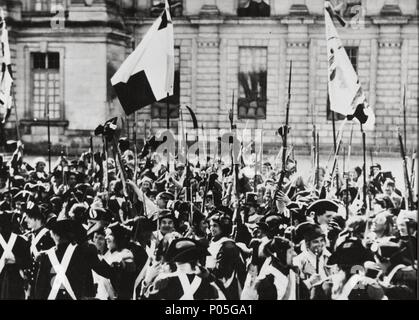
(98, 38)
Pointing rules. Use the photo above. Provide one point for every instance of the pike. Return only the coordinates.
(317, 159)
(350, 146)
(364, 167)
(406, 173)
(313, 147)
(134, 133)
(412, 177)
(283, 132)
(336, 151)
(92, 161)
(404, 117)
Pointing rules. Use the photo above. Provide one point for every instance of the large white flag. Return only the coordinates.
(147, 75)
(6, 80)
(345, 91)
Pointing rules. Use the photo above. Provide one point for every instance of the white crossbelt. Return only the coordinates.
(150, 252)
(35, 241)
(60, 269)
(189, 289)
(7, 249)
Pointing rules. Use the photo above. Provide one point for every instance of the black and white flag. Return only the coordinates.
(147, 75)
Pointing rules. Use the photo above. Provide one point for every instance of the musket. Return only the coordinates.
(412, 177)
(134, 133)
(404, 117)
(317, 159)
(92, 161)
(406, 174)
(313, 147)
(283, 132)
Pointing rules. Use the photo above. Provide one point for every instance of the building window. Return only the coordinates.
(43, 5)
(159, 109)
(252, 83)
(252, 8)
(46, 93)
(347, 8)
(157, 7)
(352, 53)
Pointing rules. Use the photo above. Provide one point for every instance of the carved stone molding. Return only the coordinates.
(384, 44)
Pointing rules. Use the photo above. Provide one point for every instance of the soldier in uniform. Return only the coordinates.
(276, 279)
(399, 276)
(350, 282)
(65, 271)
(166, 224)
(14, 258)
(39, 238)
(188, 281)
(225, 261)
(312, 261)
(322, 211)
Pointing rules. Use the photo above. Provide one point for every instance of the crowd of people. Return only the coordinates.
(108, 228)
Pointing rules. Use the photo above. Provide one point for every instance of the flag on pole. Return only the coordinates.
(345, 91)
(147, 75)
(6, 79)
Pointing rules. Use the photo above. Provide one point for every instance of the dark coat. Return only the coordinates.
(11, 280)
(79, 273)
(46, 242)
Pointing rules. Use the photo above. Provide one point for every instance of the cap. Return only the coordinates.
(185, 250)
(313, 232)
(165, 195)
(32, 211)
(71, 229)
(278, 246)
(320, 207)
(304, 231)
(350, 252)
(165, 213)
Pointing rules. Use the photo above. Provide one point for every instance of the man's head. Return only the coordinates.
(163, 198)
(40, 165)
(389, 187)
(382, 202)
(315, 239)
(117, 237)
(72, 179)
(382, 224)
(167, 222)
(260, 230)
(220, 225)
(376, 169)
(100, 241)
(33, 216)
(282, 249)
(407, 223)
(200, 223)
(323, 211)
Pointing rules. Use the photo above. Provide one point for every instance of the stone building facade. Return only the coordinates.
(223, 48)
